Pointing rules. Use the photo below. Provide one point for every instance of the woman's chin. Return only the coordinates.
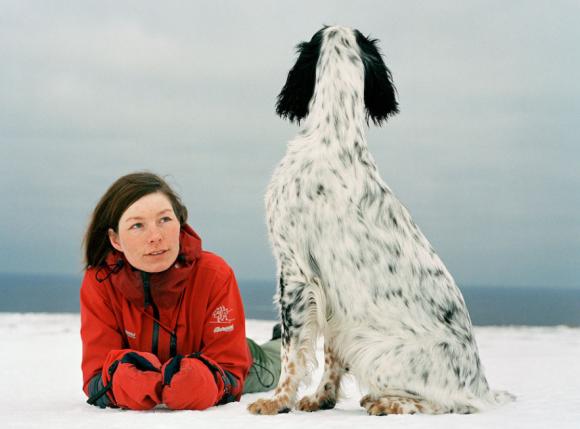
(156, 269)
(156, 266)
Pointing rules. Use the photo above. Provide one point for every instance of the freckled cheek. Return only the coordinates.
(173, 237)
(134, 246)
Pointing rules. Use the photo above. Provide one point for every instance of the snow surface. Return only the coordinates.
(40, 385)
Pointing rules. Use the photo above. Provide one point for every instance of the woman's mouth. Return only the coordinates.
(156, 253)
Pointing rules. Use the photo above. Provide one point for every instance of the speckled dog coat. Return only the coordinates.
(352, 264)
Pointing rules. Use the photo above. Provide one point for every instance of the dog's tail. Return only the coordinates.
(493, 399)
(501, 397)
(489, 401)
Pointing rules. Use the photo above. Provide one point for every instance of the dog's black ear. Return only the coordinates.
(294, 98)
(380, 93)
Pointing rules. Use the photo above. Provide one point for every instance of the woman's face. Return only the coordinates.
(148, 234)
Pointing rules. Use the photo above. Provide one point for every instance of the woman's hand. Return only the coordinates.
(134, 377)
(192, 383)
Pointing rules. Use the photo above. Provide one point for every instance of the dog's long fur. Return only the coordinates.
(352, 265)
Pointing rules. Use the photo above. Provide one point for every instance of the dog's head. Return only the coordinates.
(379, 92)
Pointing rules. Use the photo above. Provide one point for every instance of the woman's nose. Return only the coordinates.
(154, 235)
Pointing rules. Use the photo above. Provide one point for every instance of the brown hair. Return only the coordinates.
(124, 192)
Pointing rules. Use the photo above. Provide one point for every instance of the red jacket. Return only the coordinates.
(193, 307)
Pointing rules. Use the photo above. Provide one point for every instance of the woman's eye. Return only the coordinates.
(165, 219)
(136, 226)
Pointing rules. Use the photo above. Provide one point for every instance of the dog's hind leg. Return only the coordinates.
(327, 392)
(299, 331)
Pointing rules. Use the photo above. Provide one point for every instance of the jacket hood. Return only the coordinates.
(167, 286)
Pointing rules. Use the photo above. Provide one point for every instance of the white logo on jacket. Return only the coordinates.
(223, 329)
(220, 315)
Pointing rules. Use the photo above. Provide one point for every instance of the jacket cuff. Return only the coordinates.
(98, 393)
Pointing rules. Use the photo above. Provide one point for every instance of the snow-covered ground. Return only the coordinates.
(40, 385)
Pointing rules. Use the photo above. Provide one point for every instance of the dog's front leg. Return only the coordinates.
(298, 341)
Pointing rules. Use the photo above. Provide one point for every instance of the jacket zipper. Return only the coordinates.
(149, 301)
(173, 345)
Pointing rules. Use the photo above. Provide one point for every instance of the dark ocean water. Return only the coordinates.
(487, 305)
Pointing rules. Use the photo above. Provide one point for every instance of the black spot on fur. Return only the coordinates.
(314, 264)
(281, 285)
(380, 93)
(346, 158)
(393, 218)
(397, 250)
(448, 314)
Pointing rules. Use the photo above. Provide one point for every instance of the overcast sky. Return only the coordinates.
(484, 153)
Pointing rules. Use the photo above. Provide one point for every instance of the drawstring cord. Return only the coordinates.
(265, 385)
(259, 356)
(112, 269)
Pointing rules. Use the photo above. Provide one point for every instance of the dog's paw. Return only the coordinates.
(394, 405)
(365, 400)
(315, 403)
(269, 406)
(376, 408)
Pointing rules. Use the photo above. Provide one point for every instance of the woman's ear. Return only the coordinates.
(114, 239)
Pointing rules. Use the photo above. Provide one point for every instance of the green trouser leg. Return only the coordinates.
(265, 370)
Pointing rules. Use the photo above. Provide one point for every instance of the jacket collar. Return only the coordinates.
(166, 286)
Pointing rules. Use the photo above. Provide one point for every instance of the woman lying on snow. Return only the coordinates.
(161, 319)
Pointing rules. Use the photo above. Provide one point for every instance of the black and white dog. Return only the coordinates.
(352, 265)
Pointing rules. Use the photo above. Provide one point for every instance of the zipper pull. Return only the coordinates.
(146, 288)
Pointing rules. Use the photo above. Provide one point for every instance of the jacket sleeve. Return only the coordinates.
(224, 336)
(99, 330)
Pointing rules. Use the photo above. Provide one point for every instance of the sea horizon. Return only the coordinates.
(488, 305)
